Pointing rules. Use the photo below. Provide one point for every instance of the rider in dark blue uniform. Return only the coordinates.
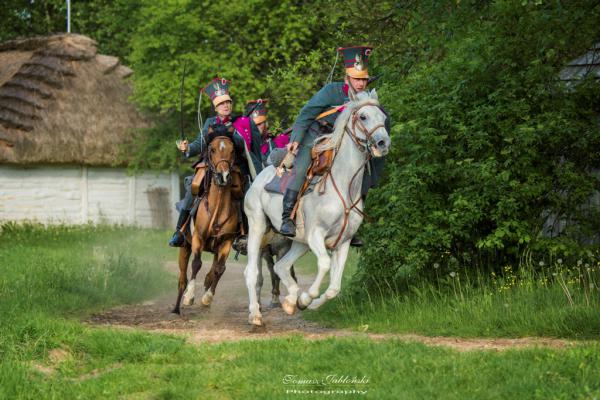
(247, 141)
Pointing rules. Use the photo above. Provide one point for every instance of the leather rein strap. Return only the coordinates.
(364, 145)
(217, 209)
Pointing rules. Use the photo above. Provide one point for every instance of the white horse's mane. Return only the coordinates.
(335, 138)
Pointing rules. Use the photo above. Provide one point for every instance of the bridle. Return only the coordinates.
(364, 146)
(213, 166)
(221, 186)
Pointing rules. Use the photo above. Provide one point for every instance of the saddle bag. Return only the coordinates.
(199, 175)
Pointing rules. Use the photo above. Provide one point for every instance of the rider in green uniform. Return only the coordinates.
(318, 117)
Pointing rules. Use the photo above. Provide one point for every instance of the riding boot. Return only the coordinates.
(356, 241)
(288, 228)
(178, 237)
(240, 243)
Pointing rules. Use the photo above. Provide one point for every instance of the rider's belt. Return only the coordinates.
(333, 110)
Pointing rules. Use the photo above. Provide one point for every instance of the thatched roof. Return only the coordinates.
(61, 102)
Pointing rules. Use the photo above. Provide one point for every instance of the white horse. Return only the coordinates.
(325, 222)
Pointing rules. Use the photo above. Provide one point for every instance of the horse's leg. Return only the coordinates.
(217, 271)
(259, 282)
(280, 253)
(257, 222)
(338, 264)
(208, 281)
(282, 268)
(268, 257)
(316, 241)
(184, 258)
(188, 296)
(293, 273)
(280, 249)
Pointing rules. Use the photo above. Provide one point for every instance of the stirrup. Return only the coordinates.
(177, 240)
(288, 228)
(240, 244)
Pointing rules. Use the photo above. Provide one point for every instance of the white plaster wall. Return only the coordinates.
(79, 194)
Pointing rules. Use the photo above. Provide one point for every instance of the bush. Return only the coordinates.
(488, 143)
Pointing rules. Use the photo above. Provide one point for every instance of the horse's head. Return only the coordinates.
(368, 123)
(221, 153)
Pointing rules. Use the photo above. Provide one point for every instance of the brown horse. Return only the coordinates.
(216, 221)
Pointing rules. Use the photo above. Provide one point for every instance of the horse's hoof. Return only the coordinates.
(303, 301)
(207, 299)
(255, 320)
(300, 306)
(288, 307)
(188, 302)
(275, 304)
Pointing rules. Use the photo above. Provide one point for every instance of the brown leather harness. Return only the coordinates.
(213, 169)
(364, 145)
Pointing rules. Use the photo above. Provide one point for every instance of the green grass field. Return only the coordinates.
(51, 279)
(562, 304)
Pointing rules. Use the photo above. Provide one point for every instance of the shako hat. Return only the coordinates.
(356, 61)
(217, 90)
(257, 110)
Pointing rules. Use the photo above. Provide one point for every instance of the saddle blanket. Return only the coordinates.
(279, 184)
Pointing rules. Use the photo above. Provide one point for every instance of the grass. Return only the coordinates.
(50, 279)
(561, 302)
(106, 364)
(48, 275)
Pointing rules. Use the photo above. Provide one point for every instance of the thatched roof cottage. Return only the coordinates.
(64, 113)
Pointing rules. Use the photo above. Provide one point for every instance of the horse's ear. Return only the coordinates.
(374, 95)
(210, 129)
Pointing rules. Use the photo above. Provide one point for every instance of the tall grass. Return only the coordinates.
(558, 300)
(49, 274)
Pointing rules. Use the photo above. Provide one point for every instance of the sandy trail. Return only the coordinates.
(226, 318)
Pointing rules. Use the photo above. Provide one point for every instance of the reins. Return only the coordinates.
(217, 210)
(364, 146)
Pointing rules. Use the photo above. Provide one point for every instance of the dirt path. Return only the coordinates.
(226, 319)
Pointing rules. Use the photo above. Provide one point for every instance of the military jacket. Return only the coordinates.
(200, 145)
(306, 128)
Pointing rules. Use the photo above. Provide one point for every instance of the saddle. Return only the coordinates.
(321, 162)
(320, 166)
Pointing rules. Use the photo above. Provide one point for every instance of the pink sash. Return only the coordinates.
(281, 140)
(242, 126)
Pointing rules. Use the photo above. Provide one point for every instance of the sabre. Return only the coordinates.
(181, 134)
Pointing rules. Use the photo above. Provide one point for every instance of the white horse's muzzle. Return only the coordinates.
(380, 144)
